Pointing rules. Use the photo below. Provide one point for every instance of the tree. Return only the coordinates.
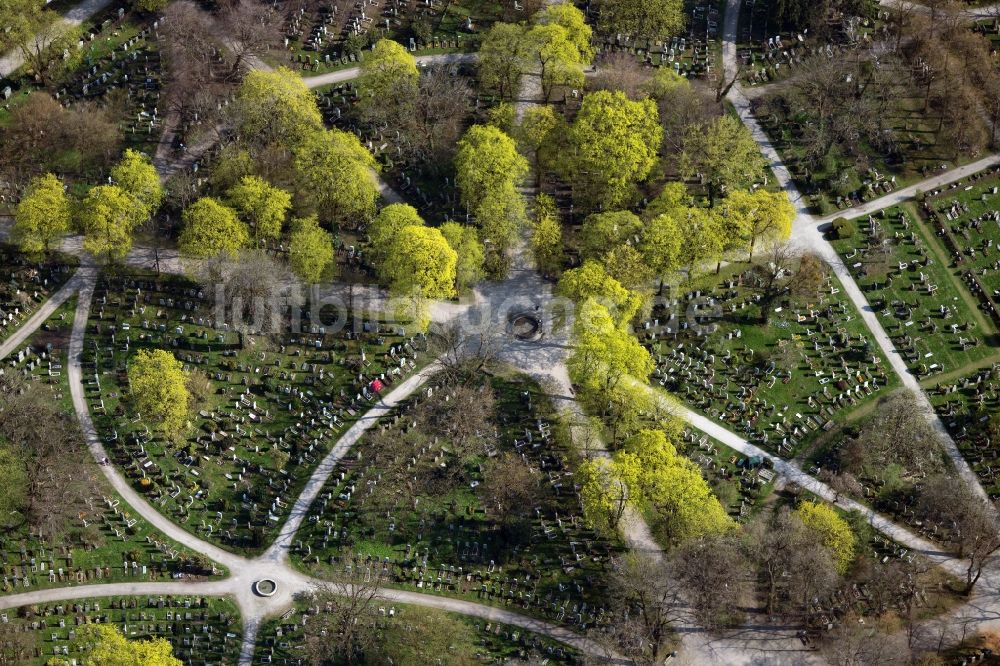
(388, 79)
(500, 62)
(645, 603)
(711, 570)
(604, 354)
(262, 205)
(158, 385)
(385, 229)
(572, 20)
(602, 232)
(108, 647)
(550, 47)
(276, 107)
(627, 265)
(511, 491)
(702, 241)
(336, 176)
(763, 215)
(896, 434)
(21, 20)
(14, 478)
(487, 165)
(500, 217)
(646, 19)
(546, 239)
(136, 175)
(211, 228)
(431, 125)
(615, 141)
(42, 216)
(108, 218)
(857, 642)
(347, 623)
(724, 153)
(539, 131)
(251, 29)
(660, 244)
(420, 261)
(150, 5)
(310, 250)
(465, 242)
(591, 281)
(834, 532)
(603, 494)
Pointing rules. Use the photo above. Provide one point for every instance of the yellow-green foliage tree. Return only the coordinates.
(136, 176)
(834, 530)
(276, 107)
(500, 62)
(158, 385)
(386, 227)
(546, 239)
(571, 19)
(762, 215)
(310, 250)
(43, 215)
(550, 49)
(212, 228)
(108, 647)
(603, 232)
(108, 217)
(335, 175)
(421, 261)
(591, 281)
(645, 19)
(388, 77)
(539, 133)
(673, 485)
(603, 494)
(465, 241)
(702, 240)
(604, 353)
(661, 244)
(724, 152)
(616, 142)
(262, 205)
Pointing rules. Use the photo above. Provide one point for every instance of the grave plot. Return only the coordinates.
(779, 384)
(25, 285)
(413, 635)
(482, 507)
(966, 219)
(267, 412)
(201, 630)
(934, 324)
(740, 482)
(968, 406)
(43, 356)
(121, 56)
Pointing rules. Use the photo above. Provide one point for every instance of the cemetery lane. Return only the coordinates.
(806, 235)
(11, 61)
(35, 321)
(970, 13)
(342, 75)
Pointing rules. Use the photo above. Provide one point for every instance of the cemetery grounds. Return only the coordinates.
(446, 541)
(26, 284)
(270, 415)
(200, 629)
(930, 270)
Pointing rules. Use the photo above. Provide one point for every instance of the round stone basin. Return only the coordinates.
(265, 587)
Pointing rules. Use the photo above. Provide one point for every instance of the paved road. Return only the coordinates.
(33, 323)
(971, 13)
(75, 16)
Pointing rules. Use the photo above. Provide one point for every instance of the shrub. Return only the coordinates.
(842, 228)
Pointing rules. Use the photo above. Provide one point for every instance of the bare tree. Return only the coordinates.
(510, 492)
(897, 433)
(854, 642)
(464, 352)
(431, 124)
(345, 624)
(620, 71)
(251, 29)
(712, 572)
(645, 603)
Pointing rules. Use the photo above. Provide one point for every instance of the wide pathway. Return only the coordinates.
(34, 322)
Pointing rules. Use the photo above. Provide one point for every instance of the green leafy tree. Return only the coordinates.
(834, 531)
(539, 131)
(421, 262)
(605, 353)
(108, 647)
(502, 116)
(276, 107)
(550, 48)
(566, 15)
(763, 215)
(310, 250)
(211, 228)
(158, 385)
(43, 215)
(724, 153)
(702, 241)
(336, 175)
(616, 142)
(627, 265)
(603, 494)
(487, 164)
(262, 205)
(546, 238)
(661, 243)
(671, 197)
(385, 229)
(646, 19)
(602, 232)
(465, 242)
(591, 281)
(108, 217)
(136, 175)
(664, 82)
(500, 63)
(500, 217)
(388, 78)
(21, 20)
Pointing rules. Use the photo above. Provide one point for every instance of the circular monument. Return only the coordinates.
(526, 326)
(265, 587)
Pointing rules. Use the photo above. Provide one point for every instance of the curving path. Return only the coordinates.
(24, 331)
